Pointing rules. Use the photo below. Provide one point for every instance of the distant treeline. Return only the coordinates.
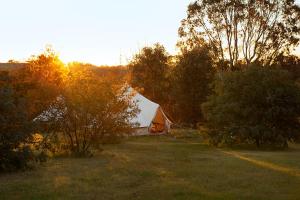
(120, 71)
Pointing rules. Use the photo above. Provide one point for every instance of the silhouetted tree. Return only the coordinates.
(192, 76)
(149, 73)
(242, 30)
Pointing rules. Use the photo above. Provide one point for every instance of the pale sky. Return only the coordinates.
(93, 31)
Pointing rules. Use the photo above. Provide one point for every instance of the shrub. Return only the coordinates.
(15, 128)
(90, 111)
(257, 105)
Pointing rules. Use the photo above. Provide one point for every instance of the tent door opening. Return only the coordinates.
(158, 124)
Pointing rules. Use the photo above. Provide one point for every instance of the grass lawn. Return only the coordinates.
(162, 168)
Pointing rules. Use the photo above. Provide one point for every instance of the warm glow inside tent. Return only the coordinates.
(151, 118)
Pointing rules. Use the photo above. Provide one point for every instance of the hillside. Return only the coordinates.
(117, 72)
(11, 66)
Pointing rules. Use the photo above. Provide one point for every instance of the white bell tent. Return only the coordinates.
(151, 119)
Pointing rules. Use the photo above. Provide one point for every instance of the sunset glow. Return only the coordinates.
(98, 32)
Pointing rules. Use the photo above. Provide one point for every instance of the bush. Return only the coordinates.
(15, 128)
(91, 111)
(257, 105)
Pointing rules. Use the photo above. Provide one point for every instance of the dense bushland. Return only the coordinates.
(256, 105)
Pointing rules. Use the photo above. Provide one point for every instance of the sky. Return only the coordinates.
(101, 32)
(95, 31)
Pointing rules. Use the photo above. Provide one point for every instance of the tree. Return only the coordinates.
(257, 105)
(15, 127)
(149, 73)
(43, 79)
(12, 61)
(242, 30)
(90, 109)
(191, 78)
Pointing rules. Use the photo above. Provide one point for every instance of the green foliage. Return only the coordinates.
(257, 105)
(149, 73)
(15, 128)
(191, 78)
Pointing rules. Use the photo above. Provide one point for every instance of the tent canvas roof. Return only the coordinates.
(147, 110)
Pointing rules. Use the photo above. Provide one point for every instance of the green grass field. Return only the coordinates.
(162, 167)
